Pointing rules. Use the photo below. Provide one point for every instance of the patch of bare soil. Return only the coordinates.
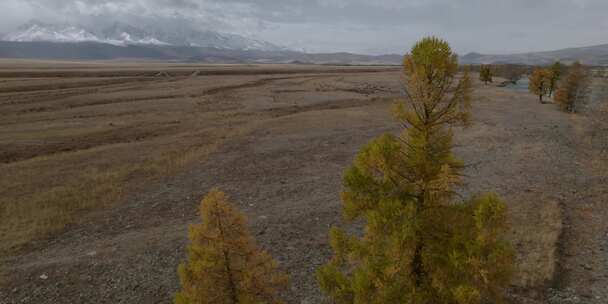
(281, 144)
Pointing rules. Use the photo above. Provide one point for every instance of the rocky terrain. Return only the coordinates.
(136, 146)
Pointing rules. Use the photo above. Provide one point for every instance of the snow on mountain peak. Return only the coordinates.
(34, 31)
(40, 33)
(124, 34)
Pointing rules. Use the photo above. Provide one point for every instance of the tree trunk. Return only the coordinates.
(228, 268)
(417, 267)
(231, 283)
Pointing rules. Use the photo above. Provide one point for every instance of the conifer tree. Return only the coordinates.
(485, 74)
(420, 245)
(556, 73)
(574, 90)
(224, 266)
(539, 83)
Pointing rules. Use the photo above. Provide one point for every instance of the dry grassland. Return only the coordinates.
(102, 166)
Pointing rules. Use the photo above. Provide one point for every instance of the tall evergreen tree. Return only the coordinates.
(224, 266)
(574, 90)
(420, 245)
(539, 83)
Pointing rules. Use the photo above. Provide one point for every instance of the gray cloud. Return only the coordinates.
(380, 26)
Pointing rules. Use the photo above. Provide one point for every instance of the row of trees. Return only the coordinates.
(570, 93)
(574, 89)
(512, 73)
(543, 82)
(423, 242)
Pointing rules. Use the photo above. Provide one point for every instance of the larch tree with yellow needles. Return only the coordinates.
(556, 74)
(540, 83)
(224, 265)
(574, 90)
(421, 243)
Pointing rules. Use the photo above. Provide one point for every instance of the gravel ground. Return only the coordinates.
(282, 166)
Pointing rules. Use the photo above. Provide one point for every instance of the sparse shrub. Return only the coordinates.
(420, 245)
(485, 74)
(540, 82)
(511, 72)
(224, 265)
(574, 91)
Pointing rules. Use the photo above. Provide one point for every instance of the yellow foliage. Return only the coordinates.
(419, 245)
(540, 83)
(574, 90)
(556, 74)
(224, 265)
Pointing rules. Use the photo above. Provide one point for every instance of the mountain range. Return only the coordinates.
(122, 34)
(38, 40)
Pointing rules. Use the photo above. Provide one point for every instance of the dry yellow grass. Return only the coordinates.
(27, 217)
(535, 234)
(40, 213)
(65, 149)
(298, 141)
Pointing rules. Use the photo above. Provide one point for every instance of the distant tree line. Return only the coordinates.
(567, 85)
(570, 92)
(510, 72)
(574, 89)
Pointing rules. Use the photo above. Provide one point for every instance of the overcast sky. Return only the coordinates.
(362, 26)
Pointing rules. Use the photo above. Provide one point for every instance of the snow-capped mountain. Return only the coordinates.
(179, 41)
(36, 31)
(122, 34)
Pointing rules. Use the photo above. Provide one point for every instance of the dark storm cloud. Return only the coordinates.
(497, 26)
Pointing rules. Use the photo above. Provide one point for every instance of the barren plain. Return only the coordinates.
(102, 167)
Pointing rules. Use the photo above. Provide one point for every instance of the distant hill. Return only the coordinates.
(591, 55)
(37, 40)
(106, 51)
